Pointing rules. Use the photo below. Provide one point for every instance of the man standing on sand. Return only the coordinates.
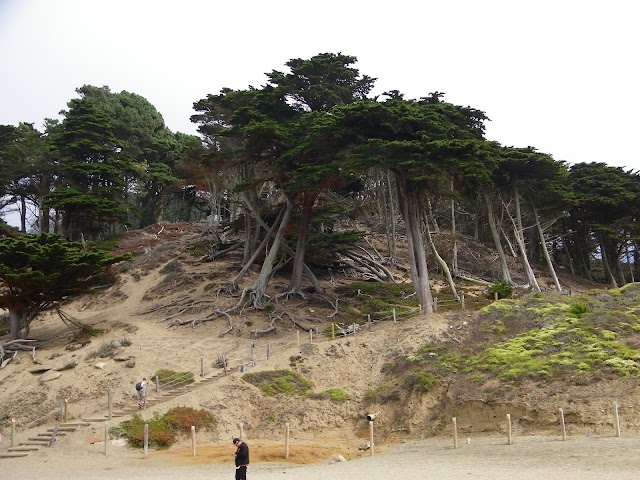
(242, 459)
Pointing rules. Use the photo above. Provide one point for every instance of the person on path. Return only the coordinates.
(242, 458)
(141, 388)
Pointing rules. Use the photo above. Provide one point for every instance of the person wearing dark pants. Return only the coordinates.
(242, 459)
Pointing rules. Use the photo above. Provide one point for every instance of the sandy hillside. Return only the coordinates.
(129, 313)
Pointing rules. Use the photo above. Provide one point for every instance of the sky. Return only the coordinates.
(562, 76)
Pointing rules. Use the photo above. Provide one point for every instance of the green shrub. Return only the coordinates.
(274, 382)
(502, 288)
(163, 429)
(174, 379)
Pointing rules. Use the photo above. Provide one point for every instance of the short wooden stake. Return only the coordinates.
(508, 429)
(298, 333)
(310, 336)
(462, 302)
(106, 438)
(495, 296)
(224, 364)
(371, 436)
(202, 366)
(13, 432)
(157, 382)
(455, 432)
(333, 331)
(354, 329)
(193, 439)
(110, 403)
(394, 315)
(146, 440)
(253, 354)
(369, 321)
(562, 425)
(66, 410)
(435, 304)
(286, 441)
(616, 420)
(268, 351)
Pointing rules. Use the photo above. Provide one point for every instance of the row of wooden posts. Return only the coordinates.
(370, 419)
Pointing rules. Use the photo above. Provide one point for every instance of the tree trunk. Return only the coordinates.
(454, 233)
(417, 257)
(506, 276)
(605, 262)
(260, 286)
(443, 265)
(545, 250)
(295, 284)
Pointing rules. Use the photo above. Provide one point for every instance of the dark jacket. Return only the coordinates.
(242, 454)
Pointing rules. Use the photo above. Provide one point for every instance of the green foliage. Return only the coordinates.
(578, 309)
(39, 270)
(502, 288)
(173, 379)
(333, 394)
(377, 299)
(163, 429)
(541, 337)
(419, 381)
(287, 382)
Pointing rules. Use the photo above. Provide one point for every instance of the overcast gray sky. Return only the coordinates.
(562, 75)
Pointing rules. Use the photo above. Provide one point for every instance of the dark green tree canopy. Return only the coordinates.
(36, 271)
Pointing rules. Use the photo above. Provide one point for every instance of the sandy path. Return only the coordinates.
(529, 458)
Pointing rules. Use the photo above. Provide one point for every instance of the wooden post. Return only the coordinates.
(394, 316)
(146, 440)
(298, 333)
(310, 336)
(157, 382)
(562, 425)
(106, 437)
(61, 417)
(495, 296)
(224, 364)
(354, 329)
(435, 304)
(462, 302)
(508, 429)
(286, 441)
(110, 403)
(616, 420)
(66, 410)
(253, 354)
(369, 321)
(202, 366)
(193, 439)
(420, 309)
(455, 432)
(333, 331)
(268, 351)
(13, 432)
(241, 425)
(371, 436)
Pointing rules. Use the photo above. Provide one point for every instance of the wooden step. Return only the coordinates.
(48, 434)
(63, 429)
(74, 424)
(23, 449)
(14, 454)
(31, 442)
